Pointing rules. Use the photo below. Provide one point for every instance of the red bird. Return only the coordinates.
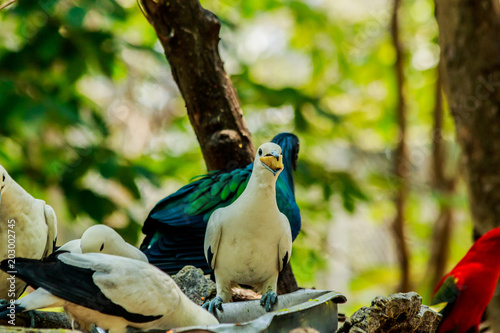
(466, 291)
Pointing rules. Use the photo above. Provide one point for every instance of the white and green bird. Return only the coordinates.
(250, 241)
(28, 228)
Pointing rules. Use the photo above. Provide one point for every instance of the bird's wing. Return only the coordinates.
(175, 228)
(212, 237)
(445, 295)
(108, 284)
(285, 198)
(145, 291)
(285, 244)
(285, 188)
(193, 204)
(51, 221)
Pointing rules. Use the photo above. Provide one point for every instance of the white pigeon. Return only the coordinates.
(250, 241)
(28, 229)
(114, 293)
(96, 239)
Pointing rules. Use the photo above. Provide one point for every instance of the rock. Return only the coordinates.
(402, 312)
(194, 284)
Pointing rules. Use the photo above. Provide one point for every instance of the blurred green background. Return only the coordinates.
(92, 122)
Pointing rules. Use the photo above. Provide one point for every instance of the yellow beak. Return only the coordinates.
(273, 162)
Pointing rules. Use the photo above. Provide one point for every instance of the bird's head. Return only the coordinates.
(100, 239)
(4, 180)
(103, 239)
(269, 156)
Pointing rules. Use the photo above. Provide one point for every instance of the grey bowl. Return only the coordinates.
(304, 308)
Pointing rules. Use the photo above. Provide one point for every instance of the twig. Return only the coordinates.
(8, 3)
(401, 158)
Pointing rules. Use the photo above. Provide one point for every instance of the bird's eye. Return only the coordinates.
(4, 177)
(102, 247)
(260, 152)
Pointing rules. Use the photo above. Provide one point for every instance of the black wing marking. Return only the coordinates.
(285, 260)
(210, 256)
(72, 283)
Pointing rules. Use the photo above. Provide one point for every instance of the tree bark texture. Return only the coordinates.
(190, 37)
(445, 186)
(401, 159)
(469, 33)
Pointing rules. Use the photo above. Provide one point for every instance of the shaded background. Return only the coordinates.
(92, 122)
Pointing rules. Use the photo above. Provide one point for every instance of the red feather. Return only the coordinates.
(475, 278)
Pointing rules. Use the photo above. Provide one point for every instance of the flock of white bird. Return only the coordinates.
(100, 279)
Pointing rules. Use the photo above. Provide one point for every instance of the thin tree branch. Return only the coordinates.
(401, 160)
(8, 3)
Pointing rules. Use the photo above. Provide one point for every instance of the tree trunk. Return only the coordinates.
(401, 159)
(190, 37)
(469, 33)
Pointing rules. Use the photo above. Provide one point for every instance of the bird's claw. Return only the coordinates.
(268, 300)
(216, 303)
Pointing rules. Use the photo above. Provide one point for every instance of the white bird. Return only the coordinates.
(113, 292)
(250, 241)
(96, 239)
(28, 228)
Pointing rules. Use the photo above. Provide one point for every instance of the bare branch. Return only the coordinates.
(8, 3)
(401, 158)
